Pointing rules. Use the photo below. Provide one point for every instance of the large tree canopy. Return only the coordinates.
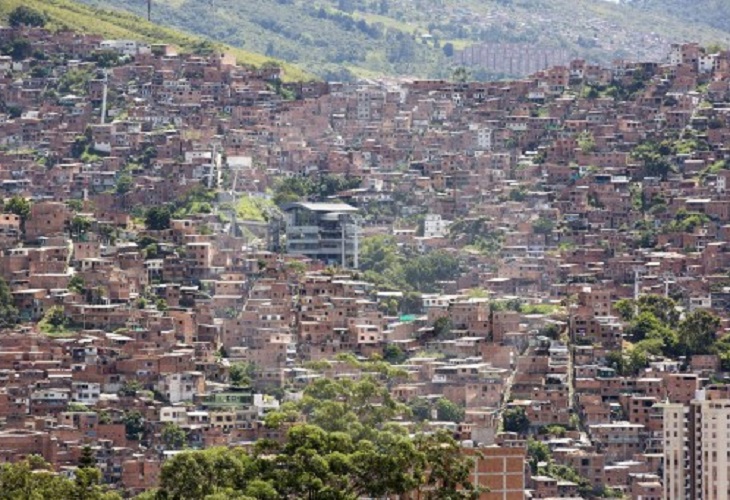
(348, 449)
(386, 264)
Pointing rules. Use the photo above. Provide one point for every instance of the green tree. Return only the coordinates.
(191, 476)
(88, 458)
(442, 327)
(158, 218)
(615, 360)
(461, 75)
(637, 361)
(75, 205)
(130, 388)
(108, 233)
(379, 254)
(543, 225)
(448, 471)
(75, 81)
(629, 362)
(722, 349)
(625, 308)
(124, 184)
(241, 374)
(586, 142)
(697, 332)
(663, 308)
(423, 272)
(33, 479)
(56, 317)
(551, 331)
(567, 473)
(393, 354)
(291, 189)
(448, 49)
(9, 315)
(25, 16)
(161, 304)
(17, 48)
(420, 408)
(412, 303)
(75, 407)
(515, 420)
(173, 436)
(76, 283)
(642, 326)
(655, 158)
(347, 449)
(448, 411)
(261, 490)
(19, 206)
(79, 225)
(557, 431)
(537, 452)
(134, 425)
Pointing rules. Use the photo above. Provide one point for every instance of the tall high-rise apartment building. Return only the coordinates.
(697, 449)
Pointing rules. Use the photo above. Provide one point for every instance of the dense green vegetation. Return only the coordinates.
(253, 207)
(67, 14)
(388, 266)
(8, 312)
(348, 448)
(658, 158)
(656, 328)
(339, 38)
(332, 38)
(35, 479)
(291, 189)
(25, 16)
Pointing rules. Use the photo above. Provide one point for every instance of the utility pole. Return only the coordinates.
(104, 97)
(343, 222)
(356, 250)
(149, 10)
(637, 282)
(356, 221)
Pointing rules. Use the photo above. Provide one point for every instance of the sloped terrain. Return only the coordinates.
(117, 24)
(713, 13)
(336, 38)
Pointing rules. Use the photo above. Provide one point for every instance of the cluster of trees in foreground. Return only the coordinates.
(34, 479)
(354, 443)
(657, 327)
(344, 439)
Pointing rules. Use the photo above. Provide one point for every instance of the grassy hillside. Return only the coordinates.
(117, 24)
(335, 38)
(314, 34)
(714, 13)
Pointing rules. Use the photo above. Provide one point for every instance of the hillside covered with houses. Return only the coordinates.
(526, 280)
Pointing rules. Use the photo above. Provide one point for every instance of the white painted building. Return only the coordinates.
(87, 393)
(435, 227)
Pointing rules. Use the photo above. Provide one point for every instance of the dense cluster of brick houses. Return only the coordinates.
(500, 155)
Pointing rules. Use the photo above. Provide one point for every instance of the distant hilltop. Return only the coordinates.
(346, 39)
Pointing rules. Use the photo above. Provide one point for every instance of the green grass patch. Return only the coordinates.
(539, 308)
(253, 208)
(57, 331)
